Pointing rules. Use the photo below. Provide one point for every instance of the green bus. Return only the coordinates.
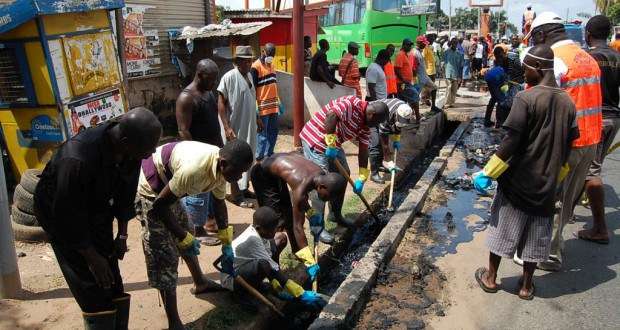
(373, 24)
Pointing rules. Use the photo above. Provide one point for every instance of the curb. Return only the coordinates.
(347, 302)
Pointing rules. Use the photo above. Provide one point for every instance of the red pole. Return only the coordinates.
(298, 70)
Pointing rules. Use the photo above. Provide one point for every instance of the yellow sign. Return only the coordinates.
(92, 62)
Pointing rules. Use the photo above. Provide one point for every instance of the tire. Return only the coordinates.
(28, 234)
(23, 200)
(23, 218)
(30, 179)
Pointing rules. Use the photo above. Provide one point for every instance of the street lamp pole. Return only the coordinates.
(450, 20)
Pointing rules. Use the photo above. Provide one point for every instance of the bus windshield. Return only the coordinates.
(388, 5)
(405, 7)
(344, 12)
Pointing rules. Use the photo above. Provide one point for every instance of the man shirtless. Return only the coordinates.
(270, 179)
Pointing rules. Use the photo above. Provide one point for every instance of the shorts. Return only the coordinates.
(410, 94)
(610, 129)
(476, 64)
(273, 192)
(512, 230)
(160, 246)
(198, 208)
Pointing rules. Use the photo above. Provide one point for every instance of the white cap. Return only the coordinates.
(529, 5)
(545, 18)
(404, 111)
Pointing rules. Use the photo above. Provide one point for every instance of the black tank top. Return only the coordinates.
(205, 122)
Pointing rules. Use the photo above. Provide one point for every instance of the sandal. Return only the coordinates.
(530, 296)
(586, 236)
(479, 273)
(209, 240)
(241, 202)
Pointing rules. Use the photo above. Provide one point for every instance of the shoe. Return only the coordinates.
(517, 260)
(345, 222)
(99, 321)
(551, 265)
(122, 311)
(376, 178)
(326, 237)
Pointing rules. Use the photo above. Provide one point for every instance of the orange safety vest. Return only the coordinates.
(390, 78)
(267, 99)
(582, 83)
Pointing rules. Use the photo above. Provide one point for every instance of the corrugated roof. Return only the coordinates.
(218, 30)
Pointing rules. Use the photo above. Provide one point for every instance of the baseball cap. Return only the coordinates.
(545, 18)
(422, 38)
(353, 44)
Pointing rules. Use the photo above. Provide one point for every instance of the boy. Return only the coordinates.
(528, 165)
(257, 253)
(271, 179)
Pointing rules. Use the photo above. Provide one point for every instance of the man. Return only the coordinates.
(515, 70)
(375, 77)
(267, 101)
(424, 81)
(257, 257)
(307, 55)
(307, 180)
(404, 72)
(466, 45)
(496, 78)
(89, 181)
(197, 119)
(528, 18)
(341, 120)
(579, 75)
(597, 32)
(237, 110)
(349, 70)
(390, 75)
(431, 71)
(477, 53)
(528, 165)
(454, 62)
(319, 68)
(176, 170)
(399, 115)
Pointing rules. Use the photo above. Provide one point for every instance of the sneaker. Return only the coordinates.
(517, 260)
(326, 237)
(551, 265)
(376, 178)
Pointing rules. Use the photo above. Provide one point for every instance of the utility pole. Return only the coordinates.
(450, 21)
(10, 284)
(298, 70)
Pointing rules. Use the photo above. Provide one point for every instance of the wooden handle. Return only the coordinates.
(257, 295)
(392, 181)
(344, 173)
(315, 283)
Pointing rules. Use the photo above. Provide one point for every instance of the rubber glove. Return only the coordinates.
(228, 257)
(312, 268)
(332, 151)
(482, 180)
(275, 284)
(361, 179)
(189, 246)
(563, 172)
(226, 235)
(504, 88)
(395, 141)
(308, 298)
(316, 222)
(391, 166)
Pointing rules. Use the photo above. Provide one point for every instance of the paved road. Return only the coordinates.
(584, 295)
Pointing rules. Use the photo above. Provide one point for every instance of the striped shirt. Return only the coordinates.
(351, 112)
(264, 77)
(389, 125)
(350, 77)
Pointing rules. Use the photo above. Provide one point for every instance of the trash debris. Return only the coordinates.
(21, 254)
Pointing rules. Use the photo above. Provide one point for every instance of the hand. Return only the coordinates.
(193, 249)
(481, 182)
(358, 186)
(391, 166)
(331, 84)
(396, 145)
(120, 247)
(331, 152)
(228, 258)
(100, 268)
(316, 224)
(311, 299)
(230, 134)
(313, 271)
(259, 125)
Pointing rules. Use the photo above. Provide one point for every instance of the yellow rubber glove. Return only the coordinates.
(330, 140)
(305, 255)
(293, 288)
(364, 174)
(186, 242)
(563, 172)
(225, 235)
(495, 167)
(276, 285)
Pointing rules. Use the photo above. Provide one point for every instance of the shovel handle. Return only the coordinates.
(344, 173)
(392, 181)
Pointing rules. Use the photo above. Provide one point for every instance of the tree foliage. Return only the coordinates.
(467, 19)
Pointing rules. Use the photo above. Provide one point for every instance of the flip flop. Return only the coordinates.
(530, 296)
(209, 286)
(209, 240)
(479, 273)
(241, 202)
(581, 235)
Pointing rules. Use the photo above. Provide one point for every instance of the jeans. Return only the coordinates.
(466, 68)
(375, 150)
(410, 94)
(267, 137)
(198, 208)
(335, 205)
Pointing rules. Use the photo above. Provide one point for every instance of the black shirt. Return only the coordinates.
(544, 120)
(609, 62)
(205, 121)
(515, 69)
(82, 189)
(320, 61)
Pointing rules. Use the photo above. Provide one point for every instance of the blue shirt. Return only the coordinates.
(454, 64)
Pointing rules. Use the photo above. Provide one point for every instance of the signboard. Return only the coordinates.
(486, 3)
(140, 44)
(45, 129)
(92, 111)
(418, 7)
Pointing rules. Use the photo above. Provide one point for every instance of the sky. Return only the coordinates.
(514, 8)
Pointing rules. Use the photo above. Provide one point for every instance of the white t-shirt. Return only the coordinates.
(479, 50)
(375, 75)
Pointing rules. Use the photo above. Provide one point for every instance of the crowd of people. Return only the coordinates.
(557, 104)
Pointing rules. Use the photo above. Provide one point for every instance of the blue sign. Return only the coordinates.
(45, 129)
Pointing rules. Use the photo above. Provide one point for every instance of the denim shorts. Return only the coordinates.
(410, 94)
(198, 208)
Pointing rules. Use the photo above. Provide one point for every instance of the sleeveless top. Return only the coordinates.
(205, 121)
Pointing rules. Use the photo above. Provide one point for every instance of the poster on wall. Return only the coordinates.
(93, 111)
(92, 62)
(140, 44)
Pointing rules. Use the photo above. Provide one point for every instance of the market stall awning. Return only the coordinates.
(220, 30)
(19, 12)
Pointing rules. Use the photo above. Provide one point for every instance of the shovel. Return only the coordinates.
(344, 173)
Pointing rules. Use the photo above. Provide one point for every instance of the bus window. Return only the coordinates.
(387, 5)
(345, 12)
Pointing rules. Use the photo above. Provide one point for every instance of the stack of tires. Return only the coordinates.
(25, 225)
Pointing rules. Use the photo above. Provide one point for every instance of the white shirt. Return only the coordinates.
(479, 50)
(376, 75)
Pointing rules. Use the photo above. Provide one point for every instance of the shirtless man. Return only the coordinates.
(270, 179)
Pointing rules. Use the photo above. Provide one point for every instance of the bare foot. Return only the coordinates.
(205, 286)
(593, 236)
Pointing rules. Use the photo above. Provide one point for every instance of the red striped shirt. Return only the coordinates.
(351, 112)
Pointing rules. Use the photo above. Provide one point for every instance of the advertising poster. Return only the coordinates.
(135, 48)
(92, 62)
(140, 44)
(93, 111)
